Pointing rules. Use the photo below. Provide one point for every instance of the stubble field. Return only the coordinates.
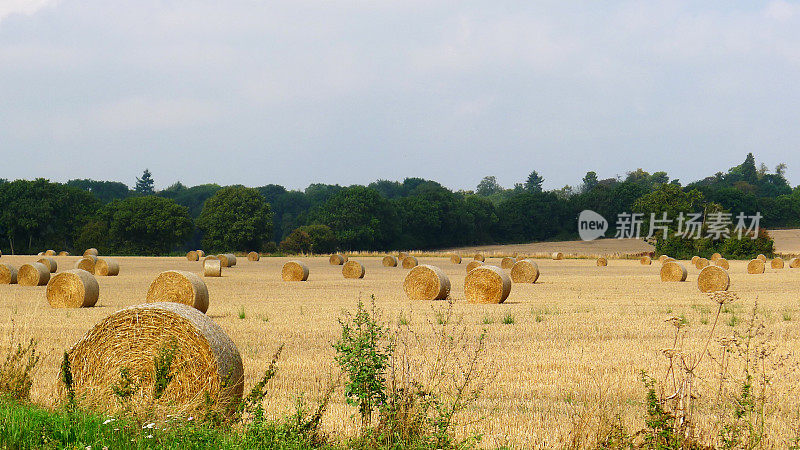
(573, 355)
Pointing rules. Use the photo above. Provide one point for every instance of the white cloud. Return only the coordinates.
(26, 7)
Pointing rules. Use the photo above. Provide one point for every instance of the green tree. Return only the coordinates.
(144, 185)
(361, 218)
(146, 225)
(488, 186)
(105, 191)
(590, 181)
(323, 239)
(534, 182)
(235, 218)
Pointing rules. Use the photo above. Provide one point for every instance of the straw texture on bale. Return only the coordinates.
(508, 262)
(673, 271)
(87, 263)
(294, 271)
(50, 253)
(409, 262)
(755, 266)
(50, 263)
(777, 263)
(525, 271)
(91, 252)
(74, 288)
(401, 255)
(192, 255)
(455, 259)
(336, 259)
(231, 259)
(8, 274)
(223, 260)
(200, 253)
(558, 256)
(762, 258)
(794, 263)
(389, 261)
(662, 258)
(353, 269)
(722, 262)
(479, 257)
(63, 253)
(105, 267)
(602, 262)
(645, 260)
(715, 256)
(212, 267)
(33, 274)
(212, 257)
(179, 287)
(713, 279)
(487, 284)
(668, 259)
(131, 339)
(426, 283)
(701, 263)
(253, 256)
(694, 260)
(473, 264)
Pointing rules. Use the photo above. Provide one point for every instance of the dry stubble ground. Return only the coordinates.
(580, 337)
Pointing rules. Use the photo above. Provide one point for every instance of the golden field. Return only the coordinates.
(580, 338)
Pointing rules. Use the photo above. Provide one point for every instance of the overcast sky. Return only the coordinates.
(347, 91)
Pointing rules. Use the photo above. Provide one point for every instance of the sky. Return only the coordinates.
(351, 91)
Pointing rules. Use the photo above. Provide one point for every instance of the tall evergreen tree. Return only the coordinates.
(534, 182)
(144, 185)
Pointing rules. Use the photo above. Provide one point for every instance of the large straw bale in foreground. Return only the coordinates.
(473, 264)
(455, 259)
(755, 266)
(192, 255)
(253, 256)
(212, 267)
(713, 279)
(336, 259)
(558, 256)
(602, 262)
(722, 262)
(487, 284)
(525, 271)
(91, 252)
(673, 271)
(507, 262)
(105, 267)
(353, 269)
(74, 288)
(210, 366)
(389, 261)
(426, 283)
(33, 274)
(50, 263)
(645, 260)
(777, 263)
(294, 271)
(409, 262)
(8, 274)
(87, 263)
(179, 287)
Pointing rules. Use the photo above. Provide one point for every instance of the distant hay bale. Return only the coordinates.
(200, 254)
(87, 263)
(91, 252)
(426, 283)
(389, 261)
(207, 365)
(694, 260)
(701, 263)
(755, 266)
(223, 260)
(602, 262)
(63, 253)
(409, 262)
(762, 258)
(353, 269)
(192, 255)
(507, 262)
(401, 255)
(645, 260)
(673, 271)
(473, 264)
(777, 263)
(794, 263)
(105, 267)
(231, 259)
(713, 279)
(479, 257)
(525, 271)
(294, 271)
(33, 274)
(558, 256)
(50, 253)
(8, 274)
(455, 259)
(487, 284)
(253, 256)
(212, 267)
(662, 258)
(715, 256)
(179, 287)
(50, 263)
(74, 288)
(722, 262)
(336, 259)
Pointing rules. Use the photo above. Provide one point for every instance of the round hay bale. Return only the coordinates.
(762, 258)
(74, 288)
(426, 283)
(223, 260)
(668, 259)
(487, 284)
(558, 256)
(401, 255)
(131, 339)
(212, 257)
(455, 259)
(794, 263)
(713, 279)
(91, 252)
(755, 266)
(694, 260)
(507, 263)
(179, 287)
(479, 257)
(473, 264)
(231, 259)
(33, 274)
(105, 267)
(50, 263)
(389, 261)
(192, 255)
(8, 274)
(777, 263)
(212, 267)
(702, 263)
(294, 271)
(63, 253)
(50, 253)
(673, 271)
(336, 259)
(525, 271)
(715, 256)
(200, 253)
(87, 263)
(722, 262)
(645, 261)
(662, 258)
(253, 256)
(602, 262)
(409, 262)
(353, 269)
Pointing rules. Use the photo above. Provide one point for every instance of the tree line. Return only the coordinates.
(412, 214)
